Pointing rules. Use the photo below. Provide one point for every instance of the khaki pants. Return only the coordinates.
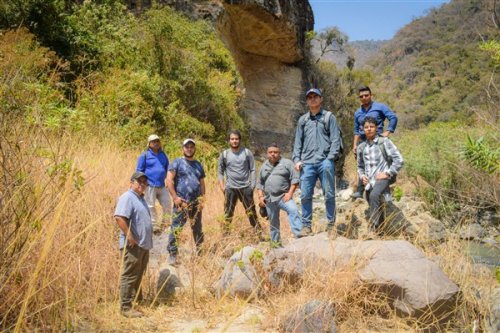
(152, 193)
(134, 265)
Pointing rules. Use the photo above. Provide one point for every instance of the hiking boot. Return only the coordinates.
(131, 313)
(306, 231)
(356, 195)
(172, 259)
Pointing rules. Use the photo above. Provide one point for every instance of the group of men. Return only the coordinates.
(317, 146)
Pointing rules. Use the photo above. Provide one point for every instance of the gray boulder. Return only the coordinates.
(414, 284)
(166, 284)
(314, 316)
(492, 321)
(239, 278)
(472, 231)
(425, 226)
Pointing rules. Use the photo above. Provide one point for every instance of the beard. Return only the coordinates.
(188, 156)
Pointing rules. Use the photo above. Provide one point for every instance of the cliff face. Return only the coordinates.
(266, 38)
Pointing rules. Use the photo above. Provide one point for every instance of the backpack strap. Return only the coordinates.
(381, 146)
(224, 156)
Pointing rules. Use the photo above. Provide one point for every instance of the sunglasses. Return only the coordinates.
(364, 96)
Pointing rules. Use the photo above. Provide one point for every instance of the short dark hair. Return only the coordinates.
(235, 132)
(370, 120)
(365, 88)
(273, 145)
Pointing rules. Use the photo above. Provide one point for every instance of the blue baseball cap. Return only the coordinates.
(313, 91)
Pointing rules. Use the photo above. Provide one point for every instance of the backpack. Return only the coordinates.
(387, 158)
(326, 123)
(224, 156)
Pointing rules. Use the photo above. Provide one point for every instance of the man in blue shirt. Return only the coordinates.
(136, 239)
(154, 163)
(186, 184)
(380, 112)
(316, 148)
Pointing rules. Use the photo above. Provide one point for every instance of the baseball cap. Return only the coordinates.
(136, 175)
(153, 137)
(188, 141)
(313, 91)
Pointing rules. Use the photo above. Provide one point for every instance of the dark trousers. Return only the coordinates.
(135, 262)
(180, 217)
(245, 195)
(375, 201)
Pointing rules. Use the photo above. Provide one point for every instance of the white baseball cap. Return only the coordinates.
(153, 137)
(188, 141)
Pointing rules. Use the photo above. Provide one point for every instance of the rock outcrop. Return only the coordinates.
(266, 38)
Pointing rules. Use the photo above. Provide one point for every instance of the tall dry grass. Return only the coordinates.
(60, 260)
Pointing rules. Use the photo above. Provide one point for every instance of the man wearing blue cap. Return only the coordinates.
(317, 146)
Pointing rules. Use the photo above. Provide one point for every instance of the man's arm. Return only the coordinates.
(141, 163)
(123, 225)
(221, 169)
(361, 166)
(251, 164)
(201, 199)
(262, 200)
(171, 188)
(393, 120)
(355, 145)
(297, 145)
(335, 139)
(289, 195)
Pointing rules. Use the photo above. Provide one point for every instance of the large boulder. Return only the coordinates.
(472, 231)
(314, 316)
(414, 284)
(239, 278)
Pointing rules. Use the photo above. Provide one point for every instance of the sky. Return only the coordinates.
(369, 19)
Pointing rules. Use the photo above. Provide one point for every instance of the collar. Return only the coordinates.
(311, 116)
(368, 108)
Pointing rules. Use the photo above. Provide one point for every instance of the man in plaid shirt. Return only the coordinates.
(374, 170)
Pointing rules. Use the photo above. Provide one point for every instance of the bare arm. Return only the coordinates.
(123, 225)
(171, 188)
(290, 192)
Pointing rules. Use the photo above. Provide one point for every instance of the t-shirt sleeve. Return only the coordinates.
(124, 207)
(173, 166)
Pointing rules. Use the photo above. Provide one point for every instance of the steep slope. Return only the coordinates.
(433, 68)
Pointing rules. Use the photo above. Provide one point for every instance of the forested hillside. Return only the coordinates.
(435, 68)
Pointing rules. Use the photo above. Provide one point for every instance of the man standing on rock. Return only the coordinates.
(380, 112)
(154, 163)
(276, 184)
(136, 239)
(237, 164)
(379, 161)
(317, 146)
(186, 184)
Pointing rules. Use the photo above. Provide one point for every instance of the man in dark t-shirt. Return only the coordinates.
(186, 184)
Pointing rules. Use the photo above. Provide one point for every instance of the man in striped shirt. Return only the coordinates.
(376, 170)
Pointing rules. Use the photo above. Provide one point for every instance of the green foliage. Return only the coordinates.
(397, 193)
(480, 155)
(256, 256)
(123, 75)
(492, 46)
(434, 160)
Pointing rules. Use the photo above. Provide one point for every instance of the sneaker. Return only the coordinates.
(172, 259)
(306, 231)
(131, 313)
(356, 195)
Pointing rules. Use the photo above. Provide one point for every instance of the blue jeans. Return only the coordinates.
(325, 172)
(273, 212)
(180, 217)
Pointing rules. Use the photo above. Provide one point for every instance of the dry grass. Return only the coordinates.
(60, 270)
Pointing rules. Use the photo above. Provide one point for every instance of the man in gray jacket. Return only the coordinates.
(317, 146)
(237, 164)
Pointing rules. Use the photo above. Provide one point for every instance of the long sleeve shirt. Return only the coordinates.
(380, 112)
(315, 140)
(155, 167)
(371, 160)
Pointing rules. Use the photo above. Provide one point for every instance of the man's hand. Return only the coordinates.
(298, 166)
(364, 179)
(179, 202)
(287, 197)
(386, 134)
(262, 202)
(131, 240)
(382, 176)
(201, 203)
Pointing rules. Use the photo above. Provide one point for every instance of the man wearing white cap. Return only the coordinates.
(154, 164)
(186, 184)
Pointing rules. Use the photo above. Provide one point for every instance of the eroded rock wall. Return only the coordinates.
(267, 38)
